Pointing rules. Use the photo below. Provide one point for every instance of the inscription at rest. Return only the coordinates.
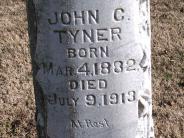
(89, 123)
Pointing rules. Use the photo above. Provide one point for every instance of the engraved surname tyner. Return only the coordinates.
(89, 35)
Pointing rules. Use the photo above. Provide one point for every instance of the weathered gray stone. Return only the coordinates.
(91, 62)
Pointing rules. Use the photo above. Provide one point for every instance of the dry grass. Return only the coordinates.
(16, 88)
(168, 67)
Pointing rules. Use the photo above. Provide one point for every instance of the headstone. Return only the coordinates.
(91, 63)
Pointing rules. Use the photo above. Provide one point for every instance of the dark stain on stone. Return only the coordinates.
(142, 63)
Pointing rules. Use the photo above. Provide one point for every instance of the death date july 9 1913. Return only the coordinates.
(93, 100)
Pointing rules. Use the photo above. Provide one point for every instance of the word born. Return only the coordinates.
(92, 52)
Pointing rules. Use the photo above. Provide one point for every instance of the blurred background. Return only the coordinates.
(17, 106)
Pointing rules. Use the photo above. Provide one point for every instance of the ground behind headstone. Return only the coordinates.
(16, 88)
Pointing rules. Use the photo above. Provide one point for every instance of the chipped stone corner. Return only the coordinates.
(145, 123)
